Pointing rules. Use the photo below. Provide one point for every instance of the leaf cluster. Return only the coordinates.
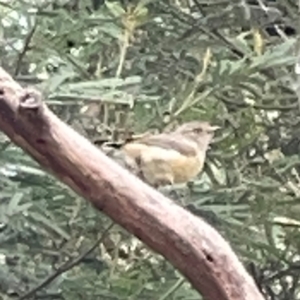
(110, 68)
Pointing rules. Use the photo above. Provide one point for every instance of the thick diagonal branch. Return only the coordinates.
(191, 245)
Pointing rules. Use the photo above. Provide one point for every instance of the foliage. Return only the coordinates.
(111, 67)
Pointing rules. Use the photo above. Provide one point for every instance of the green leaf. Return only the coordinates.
(115, 8)
(280, 55)
(49, 223)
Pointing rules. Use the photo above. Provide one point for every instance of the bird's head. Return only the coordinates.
(199, 131)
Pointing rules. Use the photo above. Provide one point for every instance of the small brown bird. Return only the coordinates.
(175, 157)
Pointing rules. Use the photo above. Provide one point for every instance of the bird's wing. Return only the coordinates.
(170, 164)
(171, 142)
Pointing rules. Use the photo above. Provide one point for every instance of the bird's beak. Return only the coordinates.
(214, 128)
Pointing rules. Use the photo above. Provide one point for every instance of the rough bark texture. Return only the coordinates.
(191, 245)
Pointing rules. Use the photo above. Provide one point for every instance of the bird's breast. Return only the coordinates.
(182, 167)
(186, 168)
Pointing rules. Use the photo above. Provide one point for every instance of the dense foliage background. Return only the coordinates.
(110, 68)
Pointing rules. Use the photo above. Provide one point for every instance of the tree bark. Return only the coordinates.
(196, 249)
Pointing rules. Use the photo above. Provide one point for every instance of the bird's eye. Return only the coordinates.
(198, 130)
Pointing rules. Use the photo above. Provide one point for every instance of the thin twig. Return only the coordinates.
(25, 49)
(67, 266)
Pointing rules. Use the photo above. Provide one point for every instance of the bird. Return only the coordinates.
(171, 158)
